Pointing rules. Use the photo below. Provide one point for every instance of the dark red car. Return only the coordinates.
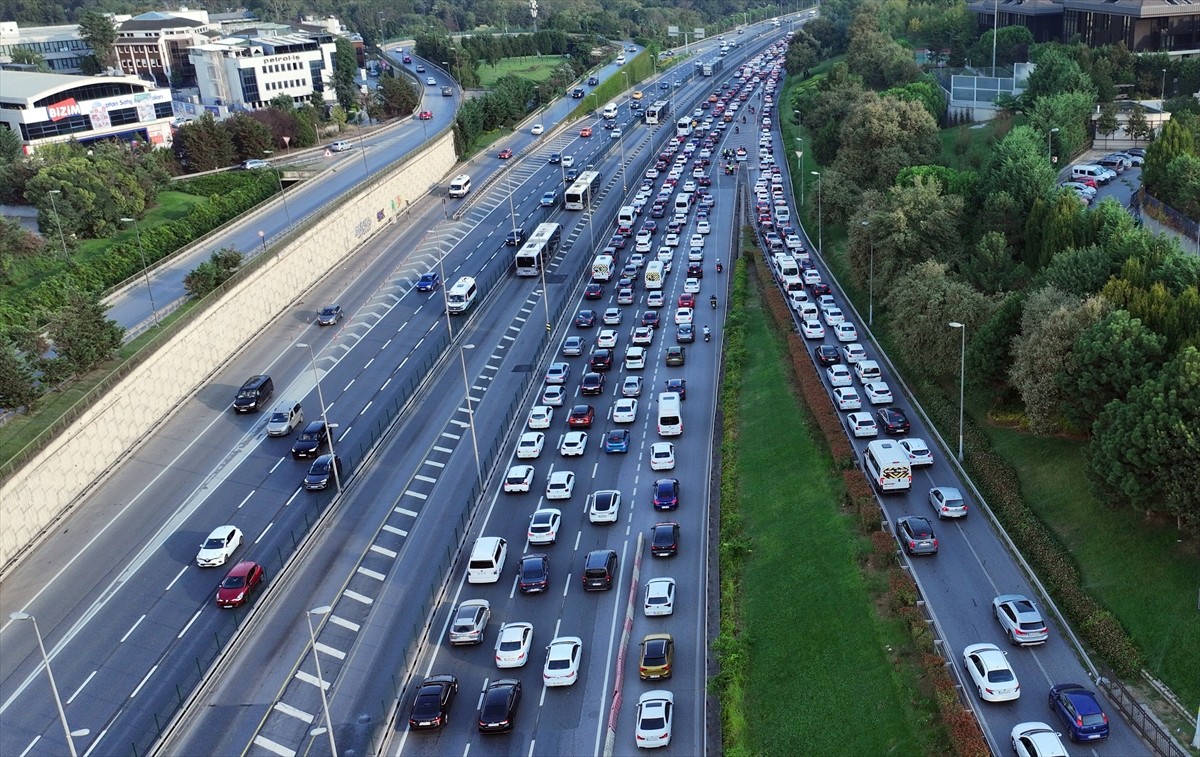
(581, 416)
(593, 291)
(504, 154)
(235, 590)
(425, 115)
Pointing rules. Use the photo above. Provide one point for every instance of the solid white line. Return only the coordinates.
(189, 624)
(143, 683)
(176, 578)
(402, 511)
(347, 624)
(294, 495)
(136, 623)
(86, 681)
(394, 530)
(264, 533)
(359, 597)
(382, 550)
(295, 712)
(273, 746)
(310, 678)
(331, 651)
(247, 499)
(602, 721)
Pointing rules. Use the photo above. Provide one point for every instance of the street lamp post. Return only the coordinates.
(279, 177)
(1164, 84)
(962, 384)
(323, 610)
(800, 165)
(820, 217)
(62, 714)
(145, 269)
(262, 237)
(870, 276)
(1050, 144)
(58, 221)
(462, 356)
(312, 361)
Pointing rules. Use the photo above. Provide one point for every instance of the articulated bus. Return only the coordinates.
(581, 193)
(683, 127)
(658, 112)
(540, 248)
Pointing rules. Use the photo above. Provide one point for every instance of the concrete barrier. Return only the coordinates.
(54, 482)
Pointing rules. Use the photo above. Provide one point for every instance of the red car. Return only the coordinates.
(687, 300)
(585, 131)
(425, 115)
(235, 590)
(581, 416)
(504, 154)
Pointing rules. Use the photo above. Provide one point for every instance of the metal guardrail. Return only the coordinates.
(1141, 719)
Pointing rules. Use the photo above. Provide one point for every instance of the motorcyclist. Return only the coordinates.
(707, 333)
(737, 130)
(743, 119)
(713, 301)
(719, 266)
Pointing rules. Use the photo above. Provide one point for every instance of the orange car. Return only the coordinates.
(585, 131)
(504, 154)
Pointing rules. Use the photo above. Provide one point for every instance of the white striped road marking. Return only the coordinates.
(295, 712)
(426, 479)
(461, 424)
(402, 511)
(359, 597)
(370, 573)
(143, 682)
(382, 550)
(418, 495)
(131, 628)
(435, 463)
(331, 651)
(394, 530)
(348, 624)
(447, 450)
(449, 435)
(272, 746)
(86, 681)
(310, 678)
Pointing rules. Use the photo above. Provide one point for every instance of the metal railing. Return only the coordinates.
(1139, 716)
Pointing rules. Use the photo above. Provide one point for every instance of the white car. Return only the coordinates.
(560, 485)
(689, 186)
(625, 296)
(862, 425)
(665, 255)
(637, 259)
(529, 446)
(568, 161)
(606, 339)
(219, 546)
(845, 331)
(660, 597)
(839, 375)
(543, 526)
(632, 386)
(562, 661)
(833, 316)
(558, 373)
(612, 317)
(826, 301)
(671, 240)
(540, 417)
(695, 254)
(643, 335)
(878, 392)
(655, 298)
(604, 506)
(852, 353)
(662, 456)
(615, 133)
(1036, 740)
(537, 129)
(573, 444)
(518, 479)
(683, 315)
(643, 244)
(703, 227)
(797, 299)
(691, 286)
(846, 398)
(635, 358)
(554, 395)
(512, 645)
(994, 678)
(697, 240)
(625, 410)
(655, 711)
(812, 329)
(918, 451)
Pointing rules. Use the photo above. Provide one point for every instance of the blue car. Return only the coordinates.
(1080, 713)
(549, 199)
(429, 281)
(617, 440)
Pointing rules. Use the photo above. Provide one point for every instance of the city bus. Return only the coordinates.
(583, 191)
(683, 127)
(658, 112)
(540, 248)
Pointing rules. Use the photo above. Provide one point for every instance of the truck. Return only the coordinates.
(602, 268)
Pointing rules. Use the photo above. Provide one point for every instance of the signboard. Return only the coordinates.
(698, 32)
(672, 31)
(98, 110)
(63, 109)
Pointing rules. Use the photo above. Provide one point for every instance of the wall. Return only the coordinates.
(53, 483)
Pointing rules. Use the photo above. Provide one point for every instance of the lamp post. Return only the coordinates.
(800, 164)
(1050, 144)
(995, 32)
(322, 610)
(145, 270)
(279, 178)
(820, 217)
(62, 715)
(462, 356)
(312, 361)
(870, 276)
(362, 147)
(262, 237)
(621, 144)
(58, 221)
(626, 75)
(1164, 85)
(962, 384)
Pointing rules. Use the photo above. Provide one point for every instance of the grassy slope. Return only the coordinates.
(531, 67)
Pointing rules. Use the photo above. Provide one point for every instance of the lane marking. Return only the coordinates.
(86, 681)
(394, 530)
(426, 479)
(143, 683)
(273, 746)
(382, 550)
(402, 511)
(247, 499)
(370, 573)
(418, 495)
(136, 623)
(189, 624)
(29, 748)
(176, 578)
(310, 678)
(347, 624)
(295, 712)
(359, 597)
(264, 533)
(331, 651)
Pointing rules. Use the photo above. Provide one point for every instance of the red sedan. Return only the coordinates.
(687, 300)
(504, 154)
(425, 115)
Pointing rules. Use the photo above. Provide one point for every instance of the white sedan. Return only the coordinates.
(606, 339)
(994, 678)
(643, 335)
(845, 332)
(655, 711)
(1035, 739)
(219, 546)
(568, 161)
(862, 425)
(537, 129)
(512, 645)
(540, 416)
(683, 315)
(625, 410)
(655, 298)
(672, 240)
(605, 506)
(833, 316)
(852, 353)
(846, 398)
(573, 444)
(691, 286)
(918, 451)
(660, 597)
(839, 375)
(543, 526)
(662, 456)
(878, 392)
(812, 329)
(695, 254)
(519, 479)
(697, 240)
(560, 485)
(562, 661)
(529, 447)
(703, 227)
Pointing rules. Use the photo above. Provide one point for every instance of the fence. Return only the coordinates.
(1176, 220)
(1140, 718)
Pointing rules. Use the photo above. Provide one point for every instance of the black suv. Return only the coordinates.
(599, 570)
(601, 359)
(312, 441)
(515, 237)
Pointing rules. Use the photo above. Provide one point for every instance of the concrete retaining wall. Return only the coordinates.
(54, 482)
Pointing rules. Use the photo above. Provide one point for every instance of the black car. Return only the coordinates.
(592, 384)
(685, 332)
(599, 570)
(601, 359)
(499, 709)
(821, 288)
(666, 494)
(650, 318)
(555, 158)
(892, 421)
(515, 237)
(571, 175)
(593, 291)
(429, 281)
(329, 315)
(585, 319)
(311, 441)
(664, 539)
(678, 385)
(826, 355)
(593, 81)
(695, 271)
(533, 575)
(431, 707)
(321, 472)
(577, 93)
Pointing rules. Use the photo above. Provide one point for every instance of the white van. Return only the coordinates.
(868, 371)
(654, 274)
(785, 266)
(621, 59)
(610, 111)
(683, 202)
(626, 215)
(461, 296)
(886, 464)
(792, 284)
(487, 560)
(670, 415)
(1099, 174)
(460, 185)
(602, 268)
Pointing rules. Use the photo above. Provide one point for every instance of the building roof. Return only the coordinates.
(1136, 8)
(27, 86)
(156, 20)
(1018, 7)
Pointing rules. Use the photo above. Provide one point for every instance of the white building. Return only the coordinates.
(249, 71)
(59, 46)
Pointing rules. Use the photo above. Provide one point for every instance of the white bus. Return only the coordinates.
(461, 296)
(683, 127)
(886, 464)
(658, 112)
(583, 191)
(539, 249)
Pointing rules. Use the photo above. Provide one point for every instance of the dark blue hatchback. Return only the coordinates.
(617, 440)
(429, 281)
(1079, 712)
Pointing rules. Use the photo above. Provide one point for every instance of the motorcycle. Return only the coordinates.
(713, 301)
(719, 267)
(707, 334)
(737, 130)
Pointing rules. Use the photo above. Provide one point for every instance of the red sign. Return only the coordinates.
(63, 109)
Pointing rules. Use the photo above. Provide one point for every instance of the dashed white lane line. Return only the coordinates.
(337, 620)
(189, 624)
(295, 712)
(402, 511)
(178, 576)
(334, 652)
(134, 693)
(382, 550)
(86, 681)
(310, 678)
(136, 623)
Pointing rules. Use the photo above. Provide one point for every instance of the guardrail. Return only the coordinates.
(1159, 739)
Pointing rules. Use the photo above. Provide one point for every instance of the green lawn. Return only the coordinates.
(815, 640)
(967, 147)
(530, 67)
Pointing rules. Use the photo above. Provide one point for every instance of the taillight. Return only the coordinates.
(1079, 721)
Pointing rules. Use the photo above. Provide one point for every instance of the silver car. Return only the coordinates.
(947, 502)
(470, 621)
(1020, 619)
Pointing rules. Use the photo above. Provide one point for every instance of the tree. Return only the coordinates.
(345, 68)
(212, 273)
(396, 96)
(1012, 46)
(1109, 359)
(882, 135)
(1144, 448)
(26, 57)
(989, 347)
(803, 53)
(926, 92)
(1019, 166)
(992, 269)
(1107, 124)
(10, 148)
(1081, 272)
(82, 335)
(203, 145)
(1174, 140)
(250, 137)
(1138, 126)
(100, 34)
(1070, 113)
(1065, 227)
(1056, 73)
(18, 384)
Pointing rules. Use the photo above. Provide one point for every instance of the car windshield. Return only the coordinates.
(233, 582)
(214, 543)
(279, 417)
(308, 436)
(328, 311)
